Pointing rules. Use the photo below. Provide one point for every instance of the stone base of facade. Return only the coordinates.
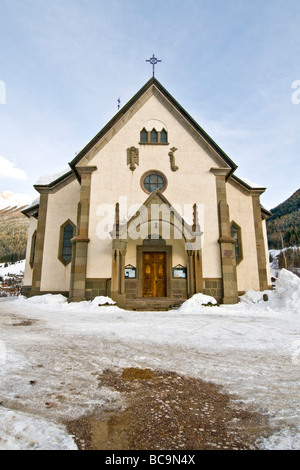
(214, 288)
(102, 287)
(27, 291)
(230, 300)
(97, 287)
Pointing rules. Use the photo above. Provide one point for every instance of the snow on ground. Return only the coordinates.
(15, 268)
(51, 353)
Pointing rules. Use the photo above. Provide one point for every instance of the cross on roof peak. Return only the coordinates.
(153, 61)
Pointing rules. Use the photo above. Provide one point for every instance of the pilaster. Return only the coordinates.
(260, 242)
(194, 272)
(39, 245)
(228, 261)
(81, 240)
(119, 249)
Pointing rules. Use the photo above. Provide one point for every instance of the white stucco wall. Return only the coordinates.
(62, 205)
(241, 212)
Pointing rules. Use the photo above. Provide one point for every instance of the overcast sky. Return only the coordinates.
(230, 63)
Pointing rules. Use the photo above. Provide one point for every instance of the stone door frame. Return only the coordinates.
(154, 248)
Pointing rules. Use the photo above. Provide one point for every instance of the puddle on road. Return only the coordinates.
(165, 410)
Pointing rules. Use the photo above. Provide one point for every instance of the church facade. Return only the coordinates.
(149, 213)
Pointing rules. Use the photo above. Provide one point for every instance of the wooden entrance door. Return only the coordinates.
(154, 275)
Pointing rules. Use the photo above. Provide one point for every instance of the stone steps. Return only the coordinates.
(154, 304)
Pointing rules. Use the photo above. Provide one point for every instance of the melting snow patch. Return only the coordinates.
(283, 440)
(19, 431)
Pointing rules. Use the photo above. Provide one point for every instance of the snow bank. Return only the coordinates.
(287, 288)
(59, 300)
(18, 431)
(197, 303)
(255, 297)
(46, 299)
(285, 294)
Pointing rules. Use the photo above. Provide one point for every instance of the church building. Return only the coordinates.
(149, 213)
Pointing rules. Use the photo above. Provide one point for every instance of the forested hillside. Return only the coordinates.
(284, 224)
(13, 234)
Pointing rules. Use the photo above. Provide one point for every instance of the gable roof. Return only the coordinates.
(153, 82)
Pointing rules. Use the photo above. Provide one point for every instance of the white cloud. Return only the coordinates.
(9, 170)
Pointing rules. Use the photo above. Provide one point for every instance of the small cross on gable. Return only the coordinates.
(153, 61)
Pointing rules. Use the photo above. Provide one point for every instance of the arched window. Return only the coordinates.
(67, 232)
(144, 136)
(154, 136)
(67, 245)
(163, 136)
(235, 231)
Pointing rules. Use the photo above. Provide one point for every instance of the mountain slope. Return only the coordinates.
(13, 234)
(8, 199)
(13, 226)
(284, 224)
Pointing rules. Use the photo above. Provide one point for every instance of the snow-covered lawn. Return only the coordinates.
(51, 353)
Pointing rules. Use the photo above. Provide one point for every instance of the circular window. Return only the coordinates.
(153, 180)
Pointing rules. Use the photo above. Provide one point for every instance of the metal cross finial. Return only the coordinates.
(153, 61)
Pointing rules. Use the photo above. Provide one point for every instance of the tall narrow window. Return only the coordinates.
(154, 136)
(235, 231)
(32, 249)
(67, 245)
(144, 136)
(163, 136)
(67, 232)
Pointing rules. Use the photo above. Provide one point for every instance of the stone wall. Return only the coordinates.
(97, 287)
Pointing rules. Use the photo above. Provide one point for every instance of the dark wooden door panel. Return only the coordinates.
(154, 275)
(147, 275)
(160, 274)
